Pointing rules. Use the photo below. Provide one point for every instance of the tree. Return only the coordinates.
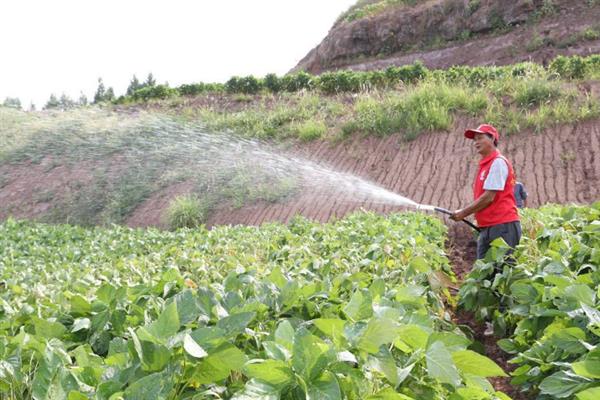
(100, 92)
(12, 102)
(32, 107)
(52, 102)
(83, 101)
(150, 81)
(109, 95)
(65, 102)
(133, 85)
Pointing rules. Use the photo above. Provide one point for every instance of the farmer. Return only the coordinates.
(520, 195)
(494, 207)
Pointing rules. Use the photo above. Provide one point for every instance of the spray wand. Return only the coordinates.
(448, 212)
(444, 211)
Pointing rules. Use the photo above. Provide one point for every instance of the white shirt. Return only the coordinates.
(497, 175)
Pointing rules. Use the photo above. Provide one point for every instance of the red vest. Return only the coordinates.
(504, 207)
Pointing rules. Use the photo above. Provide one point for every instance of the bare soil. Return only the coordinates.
(430, 32)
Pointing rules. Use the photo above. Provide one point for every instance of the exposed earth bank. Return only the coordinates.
(442, 33)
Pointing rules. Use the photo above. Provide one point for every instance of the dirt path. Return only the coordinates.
(461, 250)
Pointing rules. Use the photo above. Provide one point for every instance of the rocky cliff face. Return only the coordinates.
(442, 33)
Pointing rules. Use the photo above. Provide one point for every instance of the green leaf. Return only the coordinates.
(562, 384)
(589, 394)
(440, 365)
(52, 381)
(81, 324)
(157, 386)
(379, 331)
(310, 355)
(256, 390)
(188, 307)
(360, 305)
(167, 323)
(48, 329)
(388, 394)
(193, 348)
(274, 372)
(589, 367)
(218, 365)
(326, 387)
(284, 334)
(580, 293)
(474, 363)
(412, 336)
(384, 363)
(332, 327)
(235, 323)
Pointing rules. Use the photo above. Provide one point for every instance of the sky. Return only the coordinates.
(64, 46)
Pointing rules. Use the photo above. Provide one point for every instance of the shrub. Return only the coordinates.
(191, 89)
(591, 34)
(272, 83)
(340, 81)
(248, 85)
(154, 92)
(298, 81)
(535, 92)
(186, 212)
(311, 130)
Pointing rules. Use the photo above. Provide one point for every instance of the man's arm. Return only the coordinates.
(482, 202)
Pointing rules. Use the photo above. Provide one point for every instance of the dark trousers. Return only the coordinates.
(510, 232)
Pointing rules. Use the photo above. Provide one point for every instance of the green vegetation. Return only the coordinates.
(547, 305)
(186, 212)
(522, 96)
(120, 161)
(352, 309)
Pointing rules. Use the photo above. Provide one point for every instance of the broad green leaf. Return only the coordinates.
(590, 366)
(326, 387)
(255, 390)
(284, 334)
(440, 365)
(167, 323)
(219, 364)
(388, 394)
(48, 329)
(188, 308)
(562, 384)
(379, 331)
(580, 293)
(193, 348)
(80, 306)
(334, 328)
(474, 363)
(236, 323)
(157, 386)
(413, 336)
(360, 305)
(274, 372)
(52, 381)
(310, 355)
(384, 363)
(589, 394)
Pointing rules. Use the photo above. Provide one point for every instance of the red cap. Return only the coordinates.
(483, 128)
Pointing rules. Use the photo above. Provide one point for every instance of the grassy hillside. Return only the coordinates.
(107, 161)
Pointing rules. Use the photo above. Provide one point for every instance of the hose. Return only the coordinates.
(448, 212)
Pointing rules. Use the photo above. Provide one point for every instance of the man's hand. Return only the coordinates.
(458, 215)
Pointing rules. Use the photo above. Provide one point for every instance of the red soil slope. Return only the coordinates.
(560, 165)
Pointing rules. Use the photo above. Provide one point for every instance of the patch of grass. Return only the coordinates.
(529, 93)
(591, 34)
(186, 211)
(311, 130)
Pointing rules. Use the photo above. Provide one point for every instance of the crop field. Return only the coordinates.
(354, 309)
